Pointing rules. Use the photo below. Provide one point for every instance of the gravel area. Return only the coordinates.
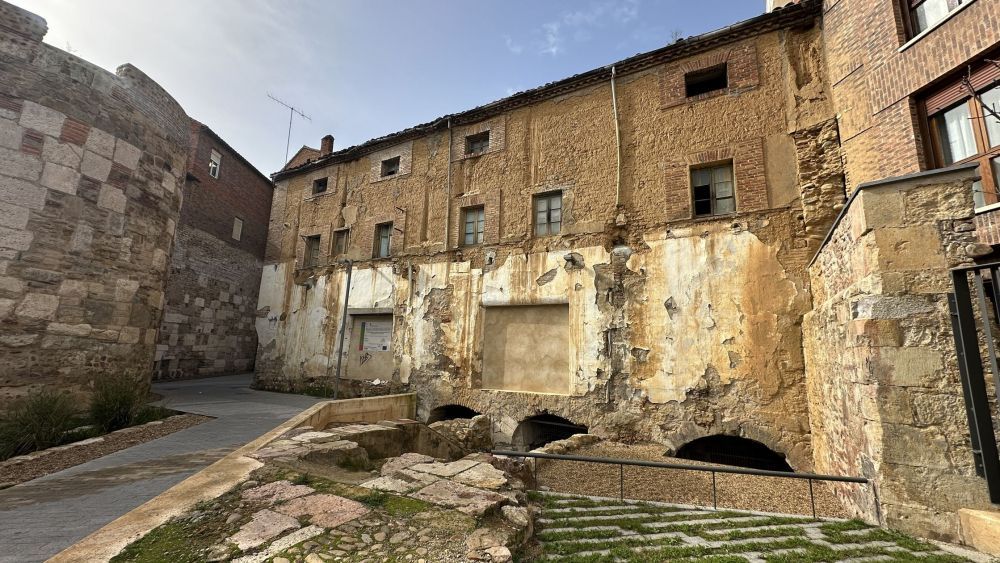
(14, 471)
(746, 492)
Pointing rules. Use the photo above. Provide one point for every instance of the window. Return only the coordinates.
(925, 13)
(341, 239)
(383, 240)
(712, 190)
(390, 167)
(548, 214)
(965, 131)
(472, 230)
(707, 80)
(478, 143)
(312, 251)
(214, 162)
(319, 186)
(237, 228)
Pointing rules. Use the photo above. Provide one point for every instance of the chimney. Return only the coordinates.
(326, 145)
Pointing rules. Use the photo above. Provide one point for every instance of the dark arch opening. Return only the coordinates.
(450, 412)
(733, 450)
(536, 431)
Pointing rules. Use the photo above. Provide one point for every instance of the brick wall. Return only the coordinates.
(211, 292)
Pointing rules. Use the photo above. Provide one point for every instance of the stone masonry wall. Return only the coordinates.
(90, 170)
(885, 401)
(211, 292)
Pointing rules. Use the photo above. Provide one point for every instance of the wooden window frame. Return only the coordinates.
(320, 185)
(479, 226)
(377, 246)
(695, 75)
(475, 140)
(909, 13)
(984, 152)
(713, 201)
(310, 259)
(546, 197)
(390, 167)
(338, 235)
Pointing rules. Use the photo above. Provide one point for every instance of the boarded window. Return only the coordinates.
(312, 251)
(341, 239)
(390, 167)
(472, 225)
(237, 228)
(214, 164)
(712, 190)
(383, 240)
(319, 186)
(707, 80)
(526, 348)
(548, 214)
(478, 143)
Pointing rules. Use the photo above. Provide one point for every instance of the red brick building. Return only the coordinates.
(211, 293)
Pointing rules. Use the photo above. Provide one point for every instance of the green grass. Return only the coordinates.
(180, 540)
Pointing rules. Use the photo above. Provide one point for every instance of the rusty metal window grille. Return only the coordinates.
(473, 226)
(713, 191)
(548, 214)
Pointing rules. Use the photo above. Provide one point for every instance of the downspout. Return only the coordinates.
(618, 142)
(447, 205)
(343, 328)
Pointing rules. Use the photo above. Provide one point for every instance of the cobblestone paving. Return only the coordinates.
(590, 529)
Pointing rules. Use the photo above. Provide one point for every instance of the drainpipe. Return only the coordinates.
(618, 142)
(447, 205)
(343, 329)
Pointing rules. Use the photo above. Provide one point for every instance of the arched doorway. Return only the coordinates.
(536, 431)
(450, 412)
(734, 450)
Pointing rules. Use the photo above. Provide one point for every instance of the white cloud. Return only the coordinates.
(513, 46)
(578, 23)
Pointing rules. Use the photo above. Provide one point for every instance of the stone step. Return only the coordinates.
(629, 516)
(596, 509)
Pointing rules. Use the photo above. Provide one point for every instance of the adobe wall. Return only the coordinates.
(90, 170)
(885, 400)
(678, 327)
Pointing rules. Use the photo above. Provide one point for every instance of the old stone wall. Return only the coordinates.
(678, 327)
(885, 401)
(90, 171)
(211, 292)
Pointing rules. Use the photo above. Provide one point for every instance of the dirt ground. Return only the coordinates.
(745, 492)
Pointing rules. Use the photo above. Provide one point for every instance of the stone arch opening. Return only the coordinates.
(536, 431)
(734, 450)
(450, 412)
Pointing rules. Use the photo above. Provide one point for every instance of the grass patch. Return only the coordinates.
(37, 421)
(181, 540)
(626, 542)
(578, 535)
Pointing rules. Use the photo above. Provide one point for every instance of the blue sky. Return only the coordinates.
(361, 68)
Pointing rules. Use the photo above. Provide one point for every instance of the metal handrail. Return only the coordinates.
(621, 463)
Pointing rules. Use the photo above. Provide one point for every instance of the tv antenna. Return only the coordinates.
(291, 113)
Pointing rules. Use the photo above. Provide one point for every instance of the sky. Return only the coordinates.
(361, 69)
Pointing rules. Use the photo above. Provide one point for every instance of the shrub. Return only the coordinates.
(117, 401)
(36, 421)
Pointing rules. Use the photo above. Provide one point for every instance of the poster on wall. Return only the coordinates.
(375, 336)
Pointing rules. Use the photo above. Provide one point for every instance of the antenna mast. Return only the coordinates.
(291, 113)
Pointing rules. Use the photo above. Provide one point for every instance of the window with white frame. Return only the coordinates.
(548, 214)
(214, 163)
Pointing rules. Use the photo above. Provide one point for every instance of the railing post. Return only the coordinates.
(621, 481)
(715, 496)
(812, 498)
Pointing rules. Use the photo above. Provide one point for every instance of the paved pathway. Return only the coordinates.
(42, 517)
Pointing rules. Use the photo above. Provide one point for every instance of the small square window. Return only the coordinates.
(548, 214)
(214, 163)
(474, 219)
(478, 143)
(390, 167)
(707, 80)
(319, 186)
(312, 251)
(341, 239)
(383, 240)
(712, 190)
(237, 228)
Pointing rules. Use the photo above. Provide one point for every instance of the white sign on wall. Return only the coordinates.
(376, 336)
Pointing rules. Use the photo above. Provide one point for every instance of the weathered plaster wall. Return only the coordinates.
(90, 167)
(677, 327)
(885, 399)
